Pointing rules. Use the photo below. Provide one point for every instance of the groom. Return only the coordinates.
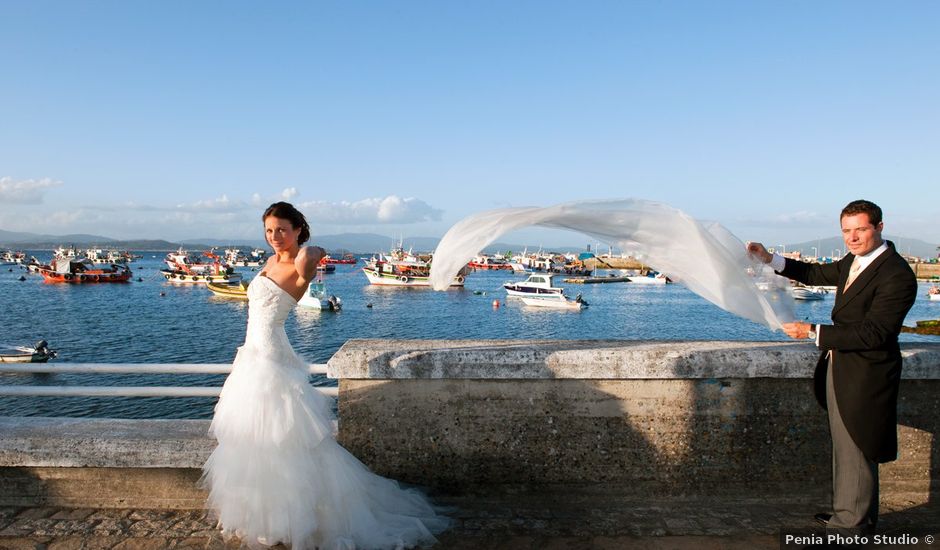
(859, 371)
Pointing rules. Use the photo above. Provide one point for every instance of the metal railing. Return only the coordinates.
(126, 368)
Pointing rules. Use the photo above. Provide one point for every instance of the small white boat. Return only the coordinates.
(806, 293)
(22, 354)
(316, 298)
(650, 279)
(559, 302)
(536, 286)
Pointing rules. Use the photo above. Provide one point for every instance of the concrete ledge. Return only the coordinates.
(104, 443)
(592, 360)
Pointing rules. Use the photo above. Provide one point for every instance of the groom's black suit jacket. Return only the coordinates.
(866, 358)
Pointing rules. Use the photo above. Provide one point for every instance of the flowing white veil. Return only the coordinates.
(706, 258)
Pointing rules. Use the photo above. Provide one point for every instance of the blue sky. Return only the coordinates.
(185, 119)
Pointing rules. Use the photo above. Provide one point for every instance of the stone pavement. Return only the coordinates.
(511, 522)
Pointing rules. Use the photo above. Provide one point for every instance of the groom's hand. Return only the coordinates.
(798, 330)
(757, 250)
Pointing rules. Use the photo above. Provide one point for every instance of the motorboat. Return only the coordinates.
(317, 298)
(537, 285)
(651, 278)
(64, 270)
(40, 353)
(806, 293)
(561, 302)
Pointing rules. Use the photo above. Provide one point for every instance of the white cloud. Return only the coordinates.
(25, 191)
(289, 193)
(387, 210)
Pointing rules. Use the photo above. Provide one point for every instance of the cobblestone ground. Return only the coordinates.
(531, 523)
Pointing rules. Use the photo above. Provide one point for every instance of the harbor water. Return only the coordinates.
(152, 321)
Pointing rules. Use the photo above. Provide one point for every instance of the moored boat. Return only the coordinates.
(186, 268)
(651, 278)
(484, 262)
(9, 257)
(402, 268)
(806, 293)
(237, 291)
(933, 293)
(316, 298)
(560, 302)
(73, 271)
(346, 259)
(537, 285)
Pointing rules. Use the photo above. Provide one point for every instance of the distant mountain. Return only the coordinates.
(370, 243)
(913, 247)
(13, 237)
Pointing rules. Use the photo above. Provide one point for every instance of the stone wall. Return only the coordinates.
(644, 417)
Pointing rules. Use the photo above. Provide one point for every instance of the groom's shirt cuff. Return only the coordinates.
(778, 262)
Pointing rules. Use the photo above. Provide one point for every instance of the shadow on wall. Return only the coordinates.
(642, 437)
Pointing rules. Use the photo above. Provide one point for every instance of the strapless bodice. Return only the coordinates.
(268, 307)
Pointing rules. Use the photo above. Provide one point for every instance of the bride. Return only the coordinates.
(277, 474)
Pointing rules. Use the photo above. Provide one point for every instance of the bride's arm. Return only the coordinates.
(306, 262)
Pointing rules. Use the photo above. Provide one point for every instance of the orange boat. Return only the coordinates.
(83, 271)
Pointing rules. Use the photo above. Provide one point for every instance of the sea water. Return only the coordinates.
(153, 321)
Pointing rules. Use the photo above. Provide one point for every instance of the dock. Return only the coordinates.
(594, 280)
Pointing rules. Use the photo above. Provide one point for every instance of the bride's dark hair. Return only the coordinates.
(286, 211)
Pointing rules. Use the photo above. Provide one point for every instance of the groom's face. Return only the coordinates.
(860, 236)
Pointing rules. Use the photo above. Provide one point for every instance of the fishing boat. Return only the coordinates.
(485, 263)
(10, 257)
(236, 291)
(933, 293)
(537, 285)
(560, 302)
(186, 268)
(235, 257)
(406, 269)
(39, 353)
(317, 298)
(73, 271)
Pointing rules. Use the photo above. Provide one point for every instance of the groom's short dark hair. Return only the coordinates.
(863, 207)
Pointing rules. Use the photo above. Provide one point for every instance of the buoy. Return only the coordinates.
(369, 305)
(163, 294)
(495, 304)
(22, 278)
(140, 279)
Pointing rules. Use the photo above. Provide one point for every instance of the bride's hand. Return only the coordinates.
(757, 251)
(307, 260)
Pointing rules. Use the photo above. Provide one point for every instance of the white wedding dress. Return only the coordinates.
(278, 474)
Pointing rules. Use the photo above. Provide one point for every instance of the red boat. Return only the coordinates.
(346, 259)
(83, 271)
(488, 262)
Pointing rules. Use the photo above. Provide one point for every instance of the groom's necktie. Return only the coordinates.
(853, 273)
